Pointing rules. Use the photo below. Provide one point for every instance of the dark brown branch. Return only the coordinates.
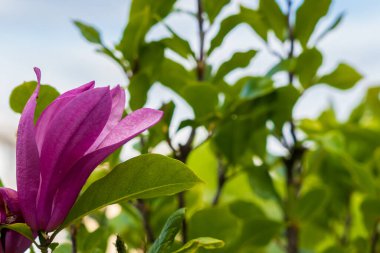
(144, 210)
(291, 37)
(184, 150)
(201, 31)
(73, 238)
(293, 162)
(375, 238)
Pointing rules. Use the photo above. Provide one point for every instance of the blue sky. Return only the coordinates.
(40, 33)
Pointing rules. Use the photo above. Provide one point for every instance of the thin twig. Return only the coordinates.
(222, 179)
(375, 238)
(73, 237)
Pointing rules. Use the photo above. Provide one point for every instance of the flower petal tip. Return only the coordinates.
(38, 74)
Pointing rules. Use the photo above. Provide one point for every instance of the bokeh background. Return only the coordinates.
(41, 33)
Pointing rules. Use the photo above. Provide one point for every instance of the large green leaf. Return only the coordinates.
(145, 176)
(274, 17)
(21, 94)
(178, 45)
(143, 15)
(174, 76)
(343, 77)
(138, 88)
(172, 226)
(255, 20)
(226, 26)
(213, 8)
(307, 17)
(238, 60)
(310, 204)
(262, 183)
(201, 242)
(159, 8)
(256, 87)
(89, 32)
(134, 34)
(286, 98)
(203, 98)
(216, 222)
(307, 66)
(259, 231)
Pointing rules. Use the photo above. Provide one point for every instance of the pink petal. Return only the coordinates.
(132, 125)
(27, 159)
(118, 105)
(16, 243)
(68, 137)
(53, 109)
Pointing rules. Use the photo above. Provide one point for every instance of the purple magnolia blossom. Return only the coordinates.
(73, 135)
(11, 242)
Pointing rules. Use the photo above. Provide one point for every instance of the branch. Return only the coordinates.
(141, 206)
(222, 179)
(375, 238)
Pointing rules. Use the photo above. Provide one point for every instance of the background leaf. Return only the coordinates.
(21, 94)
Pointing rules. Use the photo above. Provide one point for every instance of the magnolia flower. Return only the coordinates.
(73, 135)
(11, 242)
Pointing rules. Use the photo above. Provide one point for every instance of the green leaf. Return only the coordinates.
(310, 204)
(343, 77)
(307, 66)
(307, 17)
(201, 242)
(262, 183)
(89, 32)
(238, 60)
(287, 65)
(145, 176)
(274, 17)
(20, 228)
(371, 208)
(178, 45)
(217, 222)
(53, 246)
(175, 76)
(159, 8)
(138, 88)
(203, 98)
(21, 94)
(255, 20)
(256, 87)
(166, 238)
(213, 8)
(246, 210)
(260, 231)
(331, 27)
(134, 34)
(63, 248)
(286, 98)
(142, 16)
(226, 26)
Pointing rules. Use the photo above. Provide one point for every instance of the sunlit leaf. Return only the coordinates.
(142, 178)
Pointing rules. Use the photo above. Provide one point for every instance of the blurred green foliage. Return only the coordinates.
(322, 194)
